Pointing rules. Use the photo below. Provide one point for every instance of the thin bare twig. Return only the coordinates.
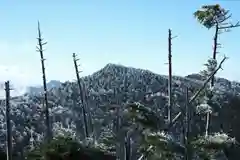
(230, 26)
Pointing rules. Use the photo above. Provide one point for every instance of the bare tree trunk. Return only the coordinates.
(215, 44)
(40, 50)
(81, 95)
(207, 123)
(128, 147)
(169, 76)
(88, 111)
(119, 144)
(8, 121)
(187, 126)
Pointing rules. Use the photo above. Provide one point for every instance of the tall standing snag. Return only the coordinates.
(81, 94)
(170, 76)
(9, 128)
(40, 50)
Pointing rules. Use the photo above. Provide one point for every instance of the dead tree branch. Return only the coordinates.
(202, 88)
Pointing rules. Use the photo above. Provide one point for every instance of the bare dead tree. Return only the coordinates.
(8, 121)
(169, 76)
(81, 95)
(169, 112)
(40, 50)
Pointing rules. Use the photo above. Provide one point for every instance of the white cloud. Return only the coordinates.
(19, 80)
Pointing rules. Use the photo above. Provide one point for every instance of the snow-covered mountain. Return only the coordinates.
(113, 84)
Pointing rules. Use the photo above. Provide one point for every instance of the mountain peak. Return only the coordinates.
(113, 65)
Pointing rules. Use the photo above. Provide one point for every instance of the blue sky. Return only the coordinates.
(132, 33)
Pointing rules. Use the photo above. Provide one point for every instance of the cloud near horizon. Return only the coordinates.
(19, 80)
(13, 66)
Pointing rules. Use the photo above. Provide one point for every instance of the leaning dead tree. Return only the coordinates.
(200, 90)
(81, 95)
(8, 121)
(40, 50)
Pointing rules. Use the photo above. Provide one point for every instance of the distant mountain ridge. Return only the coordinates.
(221, 83)
(32, 90)
(230, 86)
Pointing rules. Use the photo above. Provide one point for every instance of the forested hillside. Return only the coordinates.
(126, 113)
(114, 85)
